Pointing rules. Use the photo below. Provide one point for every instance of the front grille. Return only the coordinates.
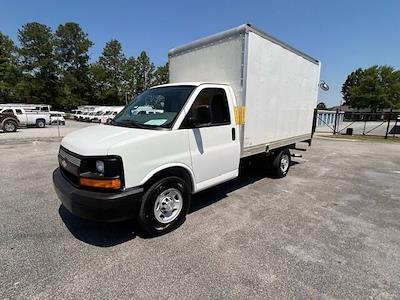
(72, 159)
(69, 165)
(70, 177)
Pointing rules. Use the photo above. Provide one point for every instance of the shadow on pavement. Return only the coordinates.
(248, 175)
(98, 233)
(111, 234)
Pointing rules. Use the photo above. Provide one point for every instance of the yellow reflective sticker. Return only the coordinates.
(240, 114)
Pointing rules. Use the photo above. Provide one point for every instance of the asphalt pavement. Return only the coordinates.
(330, 229)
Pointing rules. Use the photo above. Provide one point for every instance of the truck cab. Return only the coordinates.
(148, 165)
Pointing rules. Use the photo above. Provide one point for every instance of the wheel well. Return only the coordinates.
(172, 171)
(9, 120)
(37, 120)
(276, 151)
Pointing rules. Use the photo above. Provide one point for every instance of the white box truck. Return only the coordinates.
(232, 95)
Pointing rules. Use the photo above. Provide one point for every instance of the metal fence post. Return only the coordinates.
(387, 128)
(365, 124)
(336, 121)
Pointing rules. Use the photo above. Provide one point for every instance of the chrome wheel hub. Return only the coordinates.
(9, 127)
(168, 205)
(284, 162)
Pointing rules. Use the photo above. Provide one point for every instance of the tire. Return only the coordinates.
(281, 163)
(63, 123)
(158, 213)
(40, 123)
(10, 126)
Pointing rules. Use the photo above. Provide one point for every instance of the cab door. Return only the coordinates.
(213, 137)
(21, 116)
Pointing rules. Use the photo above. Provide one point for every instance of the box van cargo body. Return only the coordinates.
(233, 95)
(275, 85)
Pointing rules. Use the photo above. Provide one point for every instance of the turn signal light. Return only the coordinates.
(101, 183)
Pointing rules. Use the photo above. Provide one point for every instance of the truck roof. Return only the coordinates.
(245, 28)
(194, 83)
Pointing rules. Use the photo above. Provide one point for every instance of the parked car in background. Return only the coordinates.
(93, 115)
(28, 118)
(97, 117)
(76, 113)
(57, 117)
(83, 115)
(8, 122)
(88, 117)
(106, 118)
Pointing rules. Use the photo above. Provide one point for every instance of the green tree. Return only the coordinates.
(99, 82)
(9, 73)
(38, 63)
(144, 73)
(352, 80)
(130, 78)
(113, 61)
(376, 88)
(71, 50)
(162, 74)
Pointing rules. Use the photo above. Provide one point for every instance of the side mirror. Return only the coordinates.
(201, 116)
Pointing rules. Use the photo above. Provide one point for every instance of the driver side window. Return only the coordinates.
(215, 102)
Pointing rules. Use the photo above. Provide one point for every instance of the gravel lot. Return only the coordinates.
(330, 229)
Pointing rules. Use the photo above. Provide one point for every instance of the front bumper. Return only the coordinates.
(98, 206)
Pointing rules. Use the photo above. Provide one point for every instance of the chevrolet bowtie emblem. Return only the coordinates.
(64, 163)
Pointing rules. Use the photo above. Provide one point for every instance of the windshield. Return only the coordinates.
(154, 108)
(99, 113)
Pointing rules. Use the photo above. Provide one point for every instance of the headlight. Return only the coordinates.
(101, 173)
(100, 166)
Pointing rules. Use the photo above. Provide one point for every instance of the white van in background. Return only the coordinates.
(110, 114)
(57, 117)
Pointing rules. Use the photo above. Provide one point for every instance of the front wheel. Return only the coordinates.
(9, 126)
(281, 163)
(164, 205)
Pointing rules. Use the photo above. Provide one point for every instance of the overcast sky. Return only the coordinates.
(344, 35)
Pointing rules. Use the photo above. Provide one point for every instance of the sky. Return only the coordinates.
(343, 35)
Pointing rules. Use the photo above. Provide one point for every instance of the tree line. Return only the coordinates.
(53, 67)
(376, 88)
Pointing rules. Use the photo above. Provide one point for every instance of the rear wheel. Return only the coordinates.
(40, 123)
(9, 126)
(164, 205)
(281, 163)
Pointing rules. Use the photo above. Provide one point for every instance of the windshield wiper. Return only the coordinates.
(130, 123)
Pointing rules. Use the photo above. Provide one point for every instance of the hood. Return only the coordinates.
(99, 139)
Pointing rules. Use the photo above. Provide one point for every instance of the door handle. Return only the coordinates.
(233, 134)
